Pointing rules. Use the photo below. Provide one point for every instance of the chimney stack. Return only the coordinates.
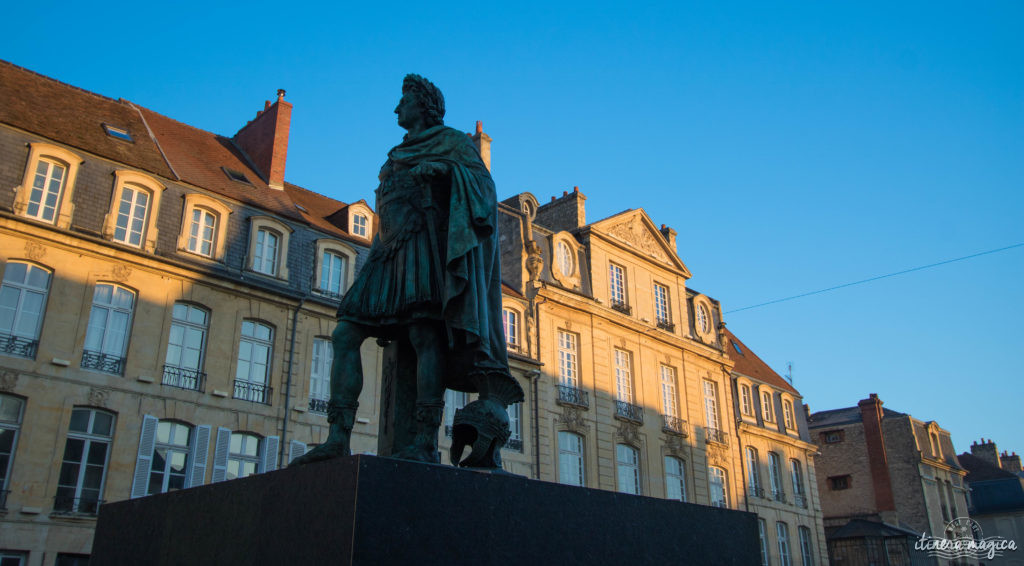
(265, 139)
(564, 213)
(482, 142)
(878, 461)
(986, 450)
(1010, 462)
(670, 237)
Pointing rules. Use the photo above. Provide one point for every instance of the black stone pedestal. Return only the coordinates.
(367, 510)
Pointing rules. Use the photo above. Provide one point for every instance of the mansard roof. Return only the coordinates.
(160, 145)
(749, 364)
(633, 229)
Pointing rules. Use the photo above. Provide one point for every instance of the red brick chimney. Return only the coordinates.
(265, 140)
(878, 462)
(482, 142)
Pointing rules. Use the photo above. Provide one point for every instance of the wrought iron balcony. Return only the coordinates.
(107, 363)
(674, 425)
(755, 491)
(63, 505)
(3, 498)
(716, 435)
(318, 406)
(18, 346)
(779, 495)
(622, 307)
(568, 395)
(800, 500)
(514, 444)
(331, 295)
(629, 412)
(255, 392)
(667, 325)
(184, 378)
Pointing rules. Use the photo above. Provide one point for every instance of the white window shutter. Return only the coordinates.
(144, 462)
(270, 446)
(220, 454)
(200, 448)
(295, 450)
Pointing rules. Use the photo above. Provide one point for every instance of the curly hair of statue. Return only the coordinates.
(429, 96)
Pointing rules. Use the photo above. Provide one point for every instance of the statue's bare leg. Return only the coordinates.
(346, 384)
(430, 345)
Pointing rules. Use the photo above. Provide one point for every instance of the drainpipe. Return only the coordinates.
(288, 383)
(536, 381)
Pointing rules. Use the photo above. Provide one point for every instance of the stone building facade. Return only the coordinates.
(888, 471)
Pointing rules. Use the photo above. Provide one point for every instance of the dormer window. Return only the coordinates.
(359, 225)
(268, 247)
(117, 133)
(236, 175)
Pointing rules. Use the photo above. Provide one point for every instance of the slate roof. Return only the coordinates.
(748, 364)
(993, 489)
(862, 528)
(845, 415)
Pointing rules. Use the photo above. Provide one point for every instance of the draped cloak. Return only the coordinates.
(435, 256)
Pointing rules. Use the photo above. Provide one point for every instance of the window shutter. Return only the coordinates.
(270, 447)
(200, 448)
(144, 461)
(220, 454)
(295, 450)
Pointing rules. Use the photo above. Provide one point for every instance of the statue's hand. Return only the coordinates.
(427, 170)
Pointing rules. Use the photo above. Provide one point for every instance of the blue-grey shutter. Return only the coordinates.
(271, 445)
(200, 448)
(144, 462)
(295, 450)
(220, 454)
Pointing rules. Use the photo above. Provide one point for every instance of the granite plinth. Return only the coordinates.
(366, 510)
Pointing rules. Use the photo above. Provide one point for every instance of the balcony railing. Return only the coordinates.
(716, 435)
(184, 378)
(800, 500)
(318, 406)
(755, 491)
(255, 392)
(568, 395)
(514, 444)
(779, 495)
(622, 307)
(328, 294)
(107, 363)
(18, 346)
(667, 325)
(629, 411)
(76, 505)
(3, 498)
(674, 425)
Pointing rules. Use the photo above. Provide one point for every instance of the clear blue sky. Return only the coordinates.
(794, 147)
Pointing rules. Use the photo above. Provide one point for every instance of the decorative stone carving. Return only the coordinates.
(638, 236)
(534, 260)
(34, 250)
(8, 379)
(98, 397)
(121, 272)
(629, 433)
(716, 455)
(572, 418)
(674, 445)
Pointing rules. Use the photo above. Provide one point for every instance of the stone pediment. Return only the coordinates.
(635, 230)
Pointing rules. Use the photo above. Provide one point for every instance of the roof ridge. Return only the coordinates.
(64, 84)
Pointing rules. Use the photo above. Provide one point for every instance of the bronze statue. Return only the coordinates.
(432, 283)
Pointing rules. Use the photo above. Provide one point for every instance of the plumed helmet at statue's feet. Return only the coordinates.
(430, 97)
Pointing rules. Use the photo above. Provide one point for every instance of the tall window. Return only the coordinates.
(47, 185)
(201, 232)
(359, 225)
(675, 478)
(702, 319)
(627, 463)
(320, 374)
(84, 467)
(563, 255)
(183, 366)
(510, 321)
(22, 300)
(515, 425)
(753, 473)
(13, 558)
(718, 489)
(787, 414)
(265, 258)
(782, 532)
(243, 456)
(746, 402)
(570, 459)
(568, 367)
(806, 552)
(254, 354)
(661, 311)
(11, 411)
(669, 403)
(169, 470)
(796, 471)
(762, 534)
(616, 285)
(623, 376)
(766, 406)
(711, 405)
(333, 271)
(106, 339)
(130, 225)
(775, 475)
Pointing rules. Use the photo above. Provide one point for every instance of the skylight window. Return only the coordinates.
(738, 350)
(300, 207)
(117, 133)
(236, 175)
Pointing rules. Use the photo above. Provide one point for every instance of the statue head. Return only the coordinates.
(428, 97)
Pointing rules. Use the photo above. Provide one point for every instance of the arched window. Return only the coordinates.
(746, 402)
(110, 319)
(22, 305)
(766, 407)
(799, 494)
(627, 463)
(12, 410)
(675, 478)
(186, 347)
(268, 246)
(320, 375)
(717, 487)
(775, 475)
(243, 455)
(48, 185)
(510, 322)
(571, 469)
(83, 470)
(255, 351)
(754, 473)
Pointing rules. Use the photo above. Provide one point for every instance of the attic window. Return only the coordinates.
(236, 175)
(117, 133)
(737, 348)
(300, 207)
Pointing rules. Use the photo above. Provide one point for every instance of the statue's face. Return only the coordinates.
(409, 111)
